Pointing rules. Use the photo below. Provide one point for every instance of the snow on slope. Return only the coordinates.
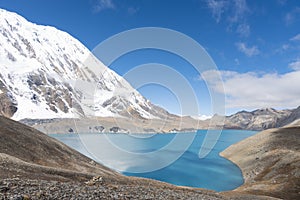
(46, 73)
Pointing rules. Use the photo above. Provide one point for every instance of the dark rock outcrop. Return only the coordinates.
(8, 105)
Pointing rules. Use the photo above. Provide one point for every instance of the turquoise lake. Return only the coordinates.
(159, 157)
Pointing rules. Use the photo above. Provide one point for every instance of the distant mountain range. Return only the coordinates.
(46, 73)
(261, 119)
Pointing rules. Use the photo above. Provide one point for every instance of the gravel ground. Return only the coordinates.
(19, 189)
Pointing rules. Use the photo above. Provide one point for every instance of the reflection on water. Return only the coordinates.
(129, 154)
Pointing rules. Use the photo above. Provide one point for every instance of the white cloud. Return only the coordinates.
(292, 15)
(243, 30)
(132, 10)
(296, 38)
(217, 8)
(292, 44)
(235, 9)
(285, 47)
(248, 51)
(281, 2)
(295, 65)
(234, 12)
(239, 10)
(101, 5)
(237, 61)
(253, 90)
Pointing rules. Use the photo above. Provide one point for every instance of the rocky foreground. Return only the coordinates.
(41, 189)
(270, 162)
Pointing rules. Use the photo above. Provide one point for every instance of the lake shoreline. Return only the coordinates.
(152, 133)
(122, 125)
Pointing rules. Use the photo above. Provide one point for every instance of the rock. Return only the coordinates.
(8, 105)
(94, 180)
(99, 128)
(92, 162)
(114, 129)
(4, 189)
(71, 130)
(40, 194)
(26, 197)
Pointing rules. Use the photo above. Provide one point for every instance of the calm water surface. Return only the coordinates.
(212, 172)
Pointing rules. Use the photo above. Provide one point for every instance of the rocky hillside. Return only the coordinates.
(46, 73)
(270, 162)
(261, 119)
(292, 118)
(27, 152)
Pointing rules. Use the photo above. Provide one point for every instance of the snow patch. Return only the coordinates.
(202, 117)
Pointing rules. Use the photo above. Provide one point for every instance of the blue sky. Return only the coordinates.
(255, 44)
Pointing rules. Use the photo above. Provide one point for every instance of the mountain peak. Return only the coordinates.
(46, 73)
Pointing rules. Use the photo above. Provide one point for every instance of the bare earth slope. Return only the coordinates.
(270, 162)
(33, 151)
(37, 166)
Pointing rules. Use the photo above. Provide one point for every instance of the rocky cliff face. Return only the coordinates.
(293, 117)
(258, 119)
(46, 73)
(8, 103)
(261, 119)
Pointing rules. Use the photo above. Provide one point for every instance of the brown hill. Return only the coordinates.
(270, 162)
(26, 151)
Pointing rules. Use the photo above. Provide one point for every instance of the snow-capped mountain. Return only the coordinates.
(46, 73)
